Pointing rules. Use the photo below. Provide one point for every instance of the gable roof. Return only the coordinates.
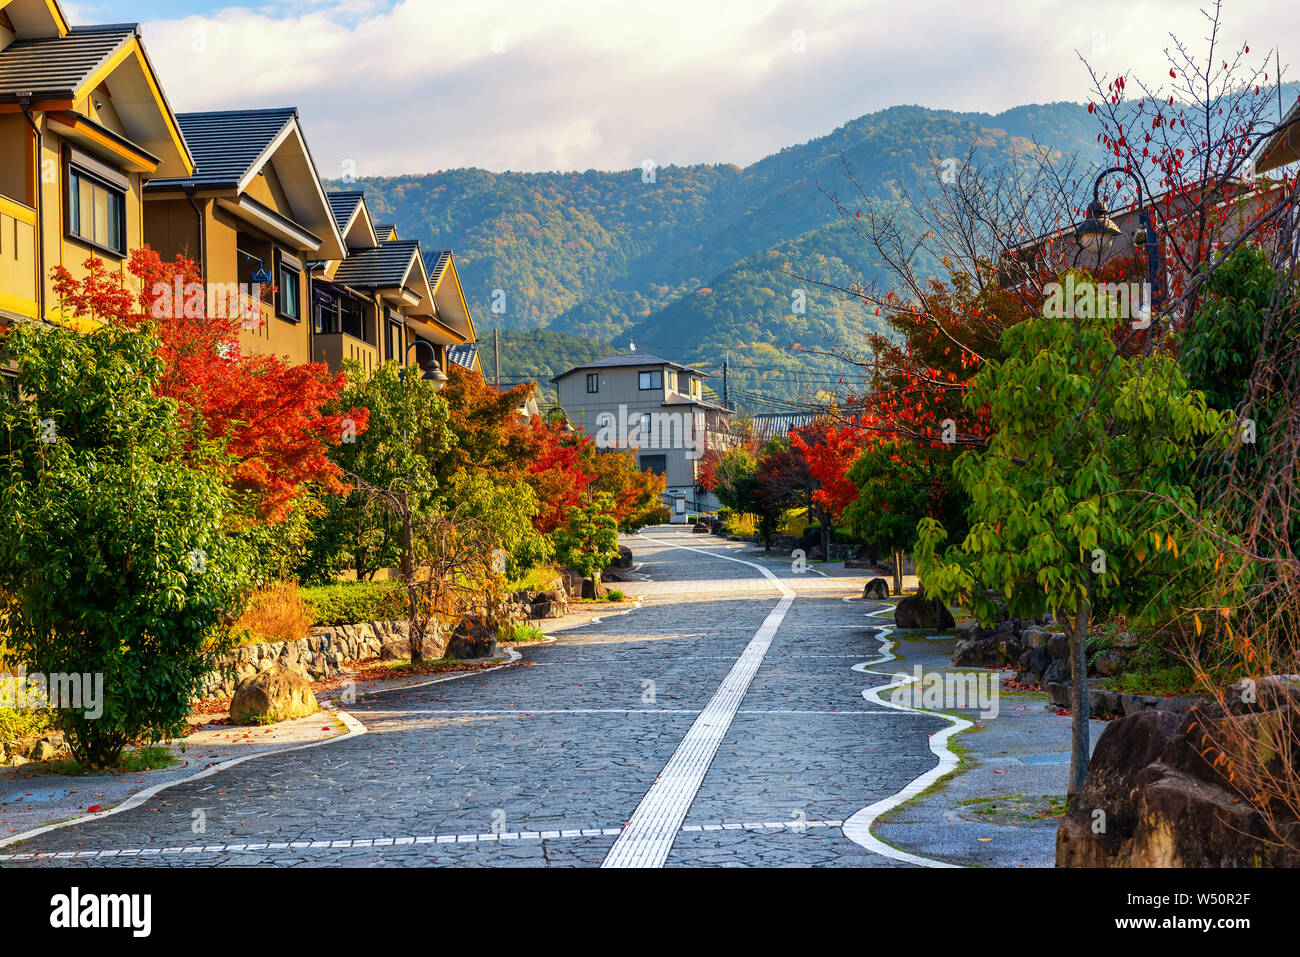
(226, 144)
(463, 355)
(58, 67)
(384, 230)
(435, 263)
(1283, 147)
(35, 18)
(384, 267)
(343, 204)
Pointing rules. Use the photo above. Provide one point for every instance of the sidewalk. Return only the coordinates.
(1000, 807)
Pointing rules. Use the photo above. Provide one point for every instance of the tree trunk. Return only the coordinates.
(415, 640)
(898, 573)
(1079, 698)
(826, 540)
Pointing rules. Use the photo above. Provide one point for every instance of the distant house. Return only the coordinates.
(654, 409)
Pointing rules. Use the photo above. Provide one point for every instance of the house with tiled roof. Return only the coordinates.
(253, 214)
(655, 409)
(84, 126)
(379, 301)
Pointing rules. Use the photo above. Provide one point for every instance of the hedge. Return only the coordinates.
(346, 603)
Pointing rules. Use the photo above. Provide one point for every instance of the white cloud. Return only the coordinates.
(579, 84)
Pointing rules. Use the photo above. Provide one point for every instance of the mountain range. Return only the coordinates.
(697, 264)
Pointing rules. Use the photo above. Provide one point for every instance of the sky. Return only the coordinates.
(421, 85)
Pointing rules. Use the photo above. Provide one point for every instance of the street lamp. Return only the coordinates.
(434, 375)
(1097, 232)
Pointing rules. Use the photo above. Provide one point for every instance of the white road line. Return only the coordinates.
(354, 727)
(654, 825)
(528, 712)
(858, 827)
(336, 844)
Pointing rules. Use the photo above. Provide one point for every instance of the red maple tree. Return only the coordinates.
(267, 411)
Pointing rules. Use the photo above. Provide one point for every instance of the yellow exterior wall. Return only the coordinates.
(71, 252)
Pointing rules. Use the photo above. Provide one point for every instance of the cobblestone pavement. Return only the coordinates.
(546, 763)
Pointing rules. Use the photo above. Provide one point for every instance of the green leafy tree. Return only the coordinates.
(115, 545)
(899, 484)
(1071, 508)
(506, 512)
(588, 541)
(406, 441)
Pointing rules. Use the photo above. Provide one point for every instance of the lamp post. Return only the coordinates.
(1097, 232)
(434, 375)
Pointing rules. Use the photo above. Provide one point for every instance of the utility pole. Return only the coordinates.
(725, 397)
(496, 356)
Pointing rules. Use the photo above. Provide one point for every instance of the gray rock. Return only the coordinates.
(876, 589)
(1058, 646)
(275, 695)
(917, 611)
(1058, 692)
(1057, 672)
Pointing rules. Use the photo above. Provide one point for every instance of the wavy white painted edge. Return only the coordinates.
(857, 827)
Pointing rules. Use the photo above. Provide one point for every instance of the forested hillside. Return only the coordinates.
(697, 263)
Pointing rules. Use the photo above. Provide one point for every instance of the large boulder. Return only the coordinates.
(917, 611)
(397, 646)
(701, 528)
(990, 647)
(277, 694)
(1033, 662)
(474, 637)
(877, 588)
(1159, 794)
(549, 604)
(593, 588)
(624, 559)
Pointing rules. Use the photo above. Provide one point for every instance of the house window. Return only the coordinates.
(351, 320)
(97, 210)
(395, 341)
(327, 314)
(593, 382)
(654, 379)
(289, 278)
(654, 463)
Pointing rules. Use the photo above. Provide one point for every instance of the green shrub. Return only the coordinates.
(615, 594)
(524, 632)
(346, 603)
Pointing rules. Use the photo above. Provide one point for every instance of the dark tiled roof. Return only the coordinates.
(383, 230)
(463, 355)
(435, 261)
(624, 359)
(226, 143)
(381, 268)
(57, 66)
(771, 425)
(343, 203)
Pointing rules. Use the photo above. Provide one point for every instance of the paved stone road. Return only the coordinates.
(547, 762)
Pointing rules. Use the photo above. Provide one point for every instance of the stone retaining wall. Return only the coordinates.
(322, 654)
